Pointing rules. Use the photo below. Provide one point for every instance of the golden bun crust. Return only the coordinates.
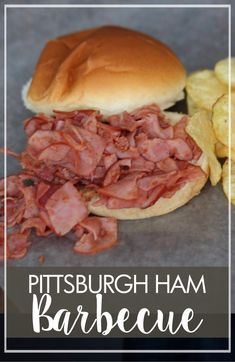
(111, 69)
(163, 205)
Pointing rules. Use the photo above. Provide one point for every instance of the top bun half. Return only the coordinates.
(111, 69)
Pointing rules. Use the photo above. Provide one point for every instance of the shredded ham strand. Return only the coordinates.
(132, 160)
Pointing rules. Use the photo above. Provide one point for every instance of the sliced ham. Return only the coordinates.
(141, 165)
(126, 136)
(96, 142)
(98, 174)
(41, 121)
(74, 140)
(167, 165)
(38, 168)
(131, 161)
(154, 196)
(124, 121)
(78, 231)
(179, 128)
(44, 192)
(15, 211)
(142, 112)
(131, 139)
(26, 179)
(181, 164)
(37, 223)
(10, 153)
(125, 189)
(12, 186)
(153, 129)
(89, 147)
(116, 203)
(65, 115)
(92, 225)
(109, 160)
(90, 122)
(66, 208)
(180, 149)
(84, 158)
(55, 152)
(179, 132)
(192, 172)
(131, 152)
(77, 115)
(41, 190)
(20, 200)
(100, 234)
(155, 150)
(143, 200)
(86, 161)
(31, 209)
(121, 143)
(194, 147)
(140, 138)
(60, 158)
(149, 182)
(114, 171)
(17, 245)
(41, 139)
(107, 132)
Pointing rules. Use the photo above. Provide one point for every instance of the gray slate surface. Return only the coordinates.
(196, 234)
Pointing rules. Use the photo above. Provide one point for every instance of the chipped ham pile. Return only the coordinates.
(130, 161)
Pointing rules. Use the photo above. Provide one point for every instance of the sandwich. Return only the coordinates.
(127, 79)
(101, 131)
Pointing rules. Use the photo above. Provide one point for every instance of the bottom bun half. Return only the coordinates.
(163, 205)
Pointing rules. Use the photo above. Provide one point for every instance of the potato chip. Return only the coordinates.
(222, 151)
(204, 88)
(220, 120)
(192, 107)
(225, 180)
(200, 129)
(221, 71)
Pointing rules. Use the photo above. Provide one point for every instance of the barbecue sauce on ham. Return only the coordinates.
(131, 160)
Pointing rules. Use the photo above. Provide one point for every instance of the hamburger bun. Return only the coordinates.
(110, 69)
(163, 205)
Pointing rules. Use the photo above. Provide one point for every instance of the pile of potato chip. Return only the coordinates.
(208, 100)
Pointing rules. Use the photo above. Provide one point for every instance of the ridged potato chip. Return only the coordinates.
(200, 129)
(222, 151)
(221, 71)
(220, 120)
(225, 180)
(204, 88)
(192, 107)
